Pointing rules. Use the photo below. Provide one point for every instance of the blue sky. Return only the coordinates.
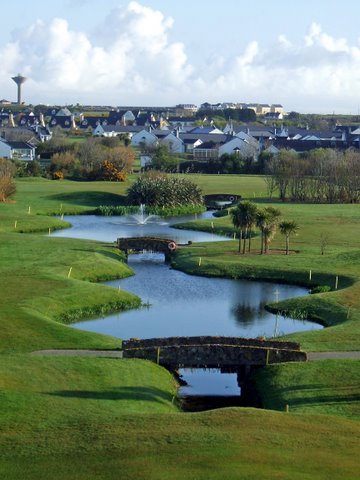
(304, 55)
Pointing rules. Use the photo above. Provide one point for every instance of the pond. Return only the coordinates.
(184, 305)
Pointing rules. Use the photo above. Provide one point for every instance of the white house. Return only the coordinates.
(241, 146)
(17, 150)
(190, 144)
(173, 143)
(144, 137)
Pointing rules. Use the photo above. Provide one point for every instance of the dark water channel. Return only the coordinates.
(183, 305)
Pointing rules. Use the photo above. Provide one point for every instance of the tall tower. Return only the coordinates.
(19, 80)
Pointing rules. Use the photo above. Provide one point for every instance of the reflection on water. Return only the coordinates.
(108, 229)
(184, 305)
(208, 382)
(181, 304)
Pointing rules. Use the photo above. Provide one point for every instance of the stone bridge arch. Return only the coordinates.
(148, 244)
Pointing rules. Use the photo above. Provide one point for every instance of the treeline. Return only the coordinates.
(317, 176)
(88, 159)
(236, 114)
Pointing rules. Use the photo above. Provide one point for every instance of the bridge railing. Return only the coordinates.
(214, 355)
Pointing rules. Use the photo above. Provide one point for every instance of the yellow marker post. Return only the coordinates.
(158, 355)
(199, 261)
(69, 272)
(310, 275)
(336, 282)
(15, 224)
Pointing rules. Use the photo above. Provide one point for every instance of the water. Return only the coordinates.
(141, 217)
(108, 229)
(185, 305)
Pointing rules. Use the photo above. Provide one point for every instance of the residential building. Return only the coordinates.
(17, 150)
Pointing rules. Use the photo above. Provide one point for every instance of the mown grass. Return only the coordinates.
(314, 387)
(338, 309)
(44, 279)
(231, 444)
(99, 418)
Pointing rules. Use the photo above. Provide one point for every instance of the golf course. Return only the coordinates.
(76, 417)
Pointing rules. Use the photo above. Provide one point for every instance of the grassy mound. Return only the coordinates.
(69, 417)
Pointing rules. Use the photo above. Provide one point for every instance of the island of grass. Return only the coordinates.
(74, 417)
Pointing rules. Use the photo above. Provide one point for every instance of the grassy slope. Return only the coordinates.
(36, 290)
(93, 405)
(232, 444)
(338, 309)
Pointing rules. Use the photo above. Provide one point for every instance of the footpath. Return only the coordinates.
(311, 356)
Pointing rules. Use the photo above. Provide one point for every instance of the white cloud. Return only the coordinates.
(130, 59)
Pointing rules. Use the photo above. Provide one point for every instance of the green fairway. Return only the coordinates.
(230, 443)
(338, 309)
(99, 418)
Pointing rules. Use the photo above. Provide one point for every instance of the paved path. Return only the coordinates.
(81, 353)
(332, 355)
(119, 354)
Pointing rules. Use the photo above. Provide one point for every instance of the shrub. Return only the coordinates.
(321, 289)
(58, 175)
(7, 186)
(111, 172)
(161, 190)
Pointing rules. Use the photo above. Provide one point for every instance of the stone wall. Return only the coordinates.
(212, 352)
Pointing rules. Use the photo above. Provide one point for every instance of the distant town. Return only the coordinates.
(199, 133)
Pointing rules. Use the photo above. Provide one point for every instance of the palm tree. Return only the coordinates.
(239, 222)
(250, 211)
(288, 228)
(267, 220)
(261, 223)
(244, 218)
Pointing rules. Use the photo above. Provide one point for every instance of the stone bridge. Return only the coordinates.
(229, 354)
(148, 244)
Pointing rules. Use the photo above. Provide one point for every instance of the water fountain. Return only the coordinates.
(141, 217)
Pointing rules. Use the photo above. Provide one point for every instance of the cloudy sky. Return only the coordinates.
(304, 55)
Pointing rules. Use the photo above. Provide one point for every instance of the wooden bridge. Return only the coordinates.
(226, 353)
(148, 244)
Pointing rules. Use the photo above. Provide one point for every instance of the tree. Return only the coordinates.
(280, 168)
(267, 220)
(287, 228)
(121, 157)
(161, 159)
(239, 222)
(244, 219)
(324, 242)
(66, 163)
(7, 185)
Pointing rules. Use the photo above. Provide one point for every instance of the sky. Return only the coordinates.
(304, 55)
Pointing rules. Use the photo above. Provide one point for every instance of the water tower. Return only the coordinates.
(19, 80)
